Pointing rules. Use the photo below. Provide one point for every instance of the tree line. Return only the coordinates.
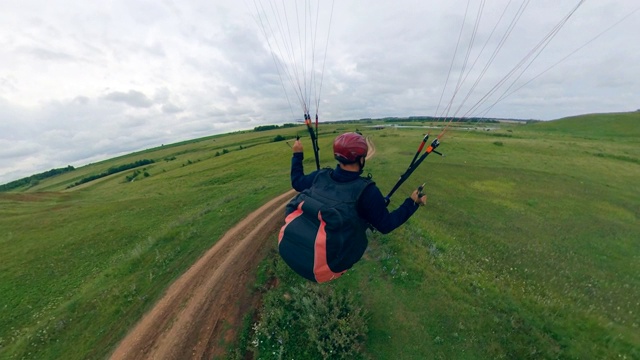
(112, 170)
(272, 127)
(437, 118)
(34, 179)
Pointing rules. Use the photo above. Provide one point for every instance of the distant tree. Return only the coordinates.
(279, 138)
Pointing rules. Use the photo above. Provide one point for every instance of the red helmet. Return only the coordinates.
(349, 147)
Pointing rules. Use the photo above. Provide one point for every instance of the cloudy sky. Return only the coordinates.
(83, 81)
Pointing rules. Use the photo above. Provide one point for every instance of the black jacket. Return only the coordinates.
(371, 205)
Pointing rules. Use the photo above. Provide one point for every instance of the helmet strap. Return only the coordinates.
(361, 163)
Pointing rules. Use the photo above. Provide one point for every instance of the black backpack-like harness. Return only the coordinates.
(323, 235)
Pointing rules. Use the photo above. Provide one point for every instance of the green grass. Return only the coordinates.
(528, 247)
(80, 266)
(526, 250)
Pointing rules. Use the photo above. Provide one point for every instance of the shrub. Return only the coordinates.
(313, 321)
(279, 138)
(133, 176)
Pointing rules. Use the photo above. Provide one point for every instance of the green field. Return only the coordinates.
(528, 247)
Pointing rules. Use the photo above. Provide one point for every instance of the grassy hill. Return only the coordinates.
(527, 247)
(616, 127)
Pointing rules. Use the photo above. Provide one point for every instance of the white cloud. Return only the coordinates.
(132, 98)
(81, 81)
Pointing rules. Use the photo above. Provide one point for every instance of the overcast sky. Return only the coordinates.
(83, 81)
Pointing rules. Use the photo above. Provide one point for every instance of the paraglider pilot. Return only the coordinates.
(325, 226)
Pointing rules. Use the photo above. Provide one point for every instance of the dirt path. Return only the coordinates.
(203, 306)
(195, 312)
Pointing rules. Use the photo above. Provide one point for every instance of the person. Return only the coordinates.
(325, 226)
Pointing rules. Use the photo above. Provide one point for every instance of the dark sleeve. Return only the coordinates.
(372, 207)
(300, 181)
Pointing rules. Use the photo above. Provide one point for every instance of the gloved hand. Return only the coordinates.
(418, 197)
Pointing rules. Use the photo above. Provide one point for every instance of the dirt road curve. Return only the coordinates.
(204, 306)
(196, 311)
